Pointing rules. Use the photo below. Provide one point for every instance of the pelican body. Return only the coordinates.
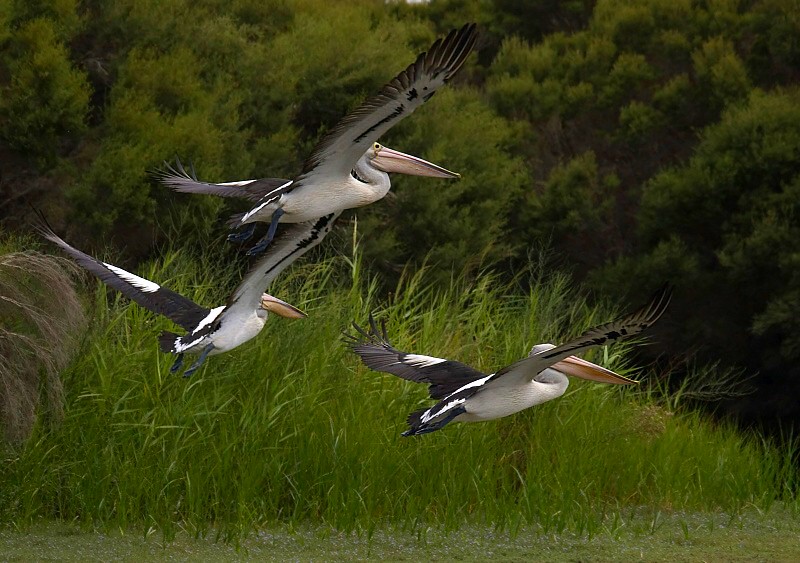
(465, 394)
(368, 182)
(223, 328)
(347, 168)
(528, 389)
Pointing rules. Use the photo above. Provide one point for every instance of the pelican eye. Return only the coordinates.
(376, 147)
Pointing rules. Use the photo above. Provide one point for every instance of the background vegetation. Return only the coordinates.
(292, 429)
(30, 363)
(641, 139)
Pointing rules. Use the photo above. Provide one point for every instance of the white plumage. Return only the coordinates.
(223, 328)
(465, 394)
(347, 168)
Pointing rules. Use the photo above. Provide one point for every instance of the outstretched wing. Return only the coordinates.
(624, 327)
(177, 308)
(338, 151)
(179, 179)
(291, 244)
(444, 376)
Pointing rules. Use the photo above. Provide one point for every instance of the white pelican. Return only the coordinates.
(223, 328)
(468, 395)
(347, 168)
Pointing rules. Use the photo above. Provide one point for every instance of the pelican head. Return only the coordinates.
(577, 367)
(282, 308)
(389, 160)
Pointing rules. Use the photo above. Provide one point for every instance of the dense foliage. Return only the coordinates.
(642, 139)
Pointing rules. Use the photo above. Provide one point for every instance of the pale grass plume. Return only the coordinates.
(41, 317)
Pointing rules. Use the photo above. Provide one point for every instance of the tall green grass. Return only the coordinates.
(291, 428)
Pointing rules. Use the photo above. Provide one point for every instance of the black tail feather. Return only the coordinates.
(414, 422)
(416, 427)
(167, 341)
(235, 220)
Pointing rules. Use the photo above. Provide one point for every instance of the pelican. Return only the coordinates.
(223, 328)
(468, 395)
(347, 168)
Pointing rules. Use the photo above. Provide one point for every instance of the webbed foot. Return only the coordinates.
(244, 234)
(199, 361)
(177, 365)
(262, 245)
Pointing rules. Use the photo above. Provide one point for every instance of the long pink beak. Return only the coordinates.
(389, 160)
(282, 308)
(587, 370)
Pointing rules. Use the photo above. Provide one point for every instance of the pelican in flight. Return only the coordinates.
(468, 395)
(347, 168)
(223, 328)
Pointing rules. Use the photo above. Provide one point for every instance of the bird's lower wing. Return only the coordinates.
(444, 376)
(180, 310)
(291, 244)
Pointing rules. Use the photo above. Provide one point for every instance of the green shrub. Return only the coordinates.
(732, 211)
(46, 98)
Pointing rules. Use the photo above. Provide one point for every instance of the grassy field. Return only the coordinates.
(290, 431)
(749, 536)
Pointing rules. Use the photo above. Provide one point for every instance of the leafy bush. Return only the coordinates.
(731, 216)
(46, 98)
(456, 219)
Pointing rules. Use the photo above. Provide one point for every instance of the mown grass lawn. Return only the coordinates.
(750, 536)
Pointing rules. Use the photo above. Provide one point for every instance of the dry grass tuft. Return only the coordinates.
(649, 421)
(41, 317)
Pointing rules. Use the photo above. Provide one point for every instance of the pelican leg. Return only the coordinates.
(244, 234)
(199, 361)
(262, 245)
(428, 428)
(177, 365)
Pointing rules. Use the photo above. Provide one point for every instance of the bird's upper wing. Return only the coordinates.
(444, 376)
(179, 179)
(291, 244)
(180, 310)
(339, 150)
(624, 327)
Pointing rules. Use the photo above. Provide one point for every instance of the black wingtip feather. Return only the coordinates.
(446, 55)
(373, 326)
(655, 307)
(168, 172)
(658, 304)
(467, 37)
(372, 337)
(43, 227)
(452, 51)
(41, 223)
